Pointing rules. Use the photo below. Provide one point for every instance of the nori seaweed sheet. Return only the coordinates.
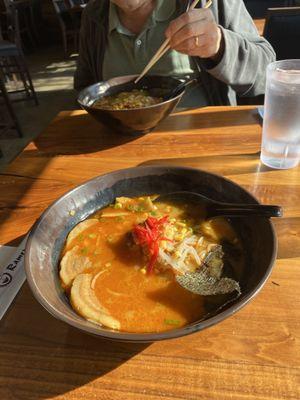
(210, 281)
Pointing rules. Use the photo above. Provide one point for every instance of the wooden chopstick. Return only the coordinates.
(165, 46)
(188, 6)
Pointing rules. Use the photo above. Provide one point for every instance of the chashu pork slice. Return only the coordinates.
(72, 264)
(85, 302)
(81, 227)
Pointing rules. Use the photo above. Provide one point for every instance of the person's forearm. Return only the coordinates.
(246, 54)
(243, 64)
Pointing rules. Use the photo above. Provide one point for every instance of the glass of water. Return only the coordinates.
(281, 126)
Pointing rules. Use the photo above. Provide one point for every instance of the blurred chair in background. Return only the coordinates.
(282, 30)
(14, 71)
(6, 100)
(21, 22)
(14, 123)
(69, 24)
(14, 76)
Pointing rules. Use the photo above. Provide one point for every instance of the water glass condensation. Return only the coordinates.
(281, 126)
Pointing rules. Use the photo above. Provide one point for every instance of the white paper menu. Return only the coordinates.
(12, 274)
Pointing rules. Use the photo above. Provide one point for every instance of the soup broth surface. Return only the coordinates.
(127, 100)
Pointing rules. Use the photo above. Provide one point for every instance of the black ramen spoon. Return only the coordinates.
(178, 89)
(212, 208)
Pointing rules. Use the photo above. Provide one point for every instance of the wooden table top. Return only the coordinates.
(255, 354)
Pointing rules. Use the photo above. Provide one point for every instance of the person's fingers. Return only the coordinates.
(205, 48)
(186, 19)
(193, 29)
(188, 45)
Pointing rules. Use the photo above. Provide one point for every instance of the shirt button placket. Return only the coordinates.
(138, 52)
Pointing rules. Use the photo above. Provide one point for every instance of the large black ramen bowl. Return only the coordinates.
(136, 121)
(49, 233)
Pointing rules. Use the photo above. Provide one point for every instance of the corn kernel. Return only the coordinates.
(72, 213)
(179, 237)
(118, 206)
(143, 271)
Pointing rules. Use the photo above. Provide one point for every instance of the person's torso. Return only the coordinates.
(128, 54)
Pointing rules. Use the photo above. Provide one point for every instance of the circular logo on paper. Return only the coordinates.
(5, 279)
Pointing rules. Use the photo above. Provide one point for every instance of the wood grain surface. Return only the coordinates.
(255, 354)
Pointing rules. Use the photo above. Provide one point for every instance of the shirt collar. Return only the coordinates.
(113, 19)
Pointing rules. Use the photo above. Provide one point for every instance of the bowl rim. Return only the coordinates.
(81, 94)
(146, 337)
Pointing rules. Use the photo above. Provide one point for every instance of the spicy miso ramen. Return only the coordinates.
(129, 266)
(127, 100)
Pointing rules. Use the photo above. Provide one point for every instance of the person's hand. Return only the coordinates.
(196, 33)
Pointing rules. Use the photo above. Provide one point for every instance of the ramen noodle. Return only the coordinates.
(127, 100)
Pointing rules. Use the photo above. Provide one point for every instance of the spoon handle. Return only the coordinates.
(240, 210)
(179, 88)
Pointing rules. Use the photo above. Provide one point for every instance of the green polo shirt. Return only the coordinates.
(128, 54)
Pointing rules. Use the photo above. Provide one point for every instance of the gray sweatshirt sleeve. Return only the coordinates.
(246, 54)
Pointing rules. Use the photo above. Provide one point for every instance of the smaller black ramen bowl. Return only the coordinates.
(49, 233)
(136, 121)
